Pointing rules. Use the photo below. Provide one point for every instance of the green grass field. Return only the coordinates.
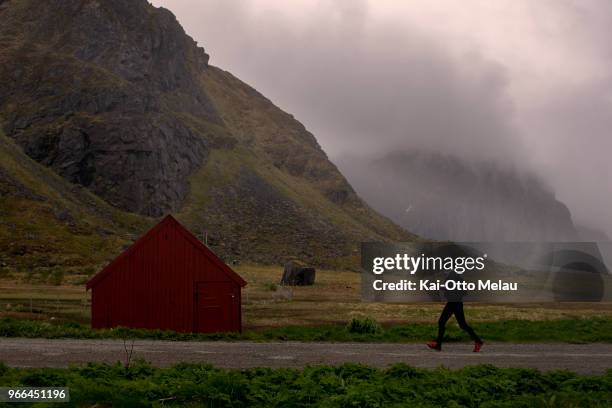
(142, 385)
(588, 330)
(333, 300)
(31, 306)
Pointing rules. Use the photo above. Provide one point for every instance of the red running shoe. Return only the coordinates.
(434, 345)
(477, 347)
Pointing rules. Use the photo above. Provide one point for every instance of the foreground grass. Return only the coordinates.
(591, 330)
(344, 386)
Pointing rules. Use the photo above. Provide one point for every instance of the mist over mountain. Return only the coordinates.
(520, 81)
(116, 99)
(445, 197)
(592, 234)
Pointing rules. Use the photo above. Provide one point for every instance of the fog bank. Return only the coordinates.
(516, 81)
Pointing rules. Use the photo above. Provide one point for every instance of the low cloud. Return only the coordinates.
(516, 81)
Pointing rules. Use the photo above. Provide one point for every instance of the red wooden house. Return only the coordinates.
(167, 280)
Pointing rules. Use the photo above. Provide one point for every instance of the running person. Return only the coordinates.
(455, 308)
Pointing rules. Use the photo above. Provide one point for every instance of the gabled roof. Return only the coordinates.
(152, 232)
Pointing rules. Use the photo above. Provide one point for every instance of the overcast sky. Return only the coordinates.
(523, 81)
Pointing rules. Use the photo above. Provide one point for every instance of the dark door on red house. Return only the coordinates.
(216, 307)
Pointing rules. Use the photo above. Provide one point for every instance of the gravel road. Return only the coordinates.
(580, 358)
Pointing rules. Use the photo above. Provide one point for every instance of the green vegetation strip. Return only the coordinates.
(588, 330)
(349, 385)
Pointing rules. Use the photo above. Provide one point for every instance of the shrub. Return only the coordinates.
(89, 271)
(271, 287)
(44, 377)
(57, 277)
(349, 385)
(3, 368)
(365, 325)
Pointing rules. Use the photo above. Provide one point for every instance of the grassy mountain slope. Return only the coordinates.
(116, 98)
(46, 221)
(275, 193)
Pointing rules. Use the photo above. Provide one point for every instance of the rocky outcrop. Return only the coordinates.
(97, 90)
(296, 273)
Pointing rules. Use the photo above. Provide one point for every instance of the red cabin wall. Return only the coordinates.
(153, 287)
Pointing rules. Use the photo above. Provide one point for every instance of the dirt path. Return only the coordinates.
(583, 358)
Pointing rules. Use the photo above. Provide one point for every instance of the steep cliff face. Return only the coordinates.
(47, 222)
(447, 198)
(115, 97)
(92, 89)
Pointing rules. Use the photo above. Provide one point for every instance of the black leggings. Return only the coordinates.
(455, 308)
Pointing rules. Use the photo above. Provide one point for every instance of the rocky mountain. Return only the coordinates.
(47, 222)
(445, 197)
(95, 90)
(114, 97)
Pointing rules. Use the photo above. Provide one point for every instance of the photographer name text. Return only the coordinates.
(450, 285)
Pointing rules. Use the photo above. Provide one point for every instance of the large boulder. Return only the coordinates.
(297, 273)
